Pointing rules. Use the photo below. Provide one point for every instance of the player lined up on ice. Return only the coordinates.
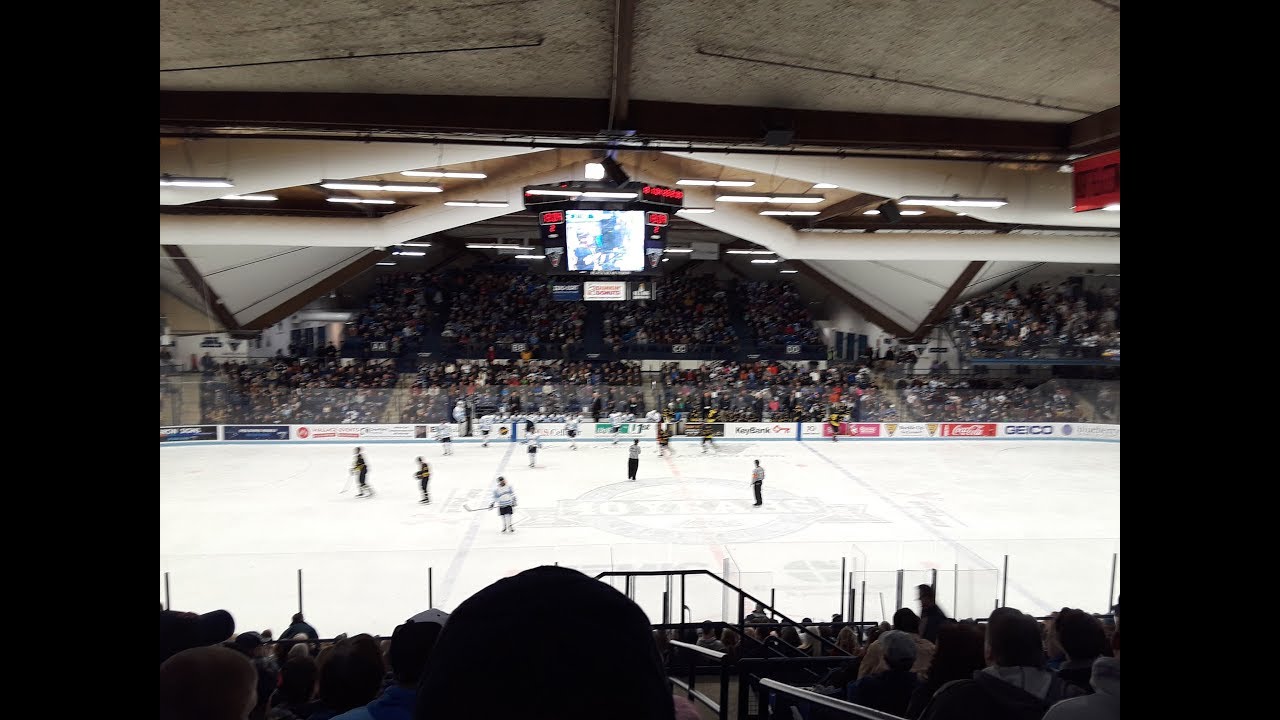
(534, 439)
(486, 425)
(571, 429)
(444, 431)
(707, 432)
(424, 477)
(505, 498)
(361, 468)
(616, 419)
(664, 439)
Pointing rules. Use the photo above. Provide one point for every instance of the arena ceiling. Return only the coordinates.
(881, 99)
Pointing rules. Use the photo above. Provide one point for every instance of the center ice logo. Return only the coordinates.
(702, 508)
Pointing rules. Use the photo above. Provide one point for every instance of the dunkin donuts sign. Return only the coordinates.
(967, 430)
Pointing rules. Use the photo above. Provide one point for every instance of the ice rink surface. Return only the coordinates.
(237, 522)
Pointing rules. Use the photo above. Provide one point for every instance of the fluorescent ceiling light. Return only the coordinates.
(412, 253)
(442, 174)
(261, 197)
(366, 201)
(779, 199)
(767, 262)
(416, 244)
(748, 252)
(666, 259)
(496, 246)
(911, 212)
(530, 257)
(1113, 207)
(717, 183)
(695, 211)
(953, 201)
(565, 193)
(595, 171)
(788, 272)
(386, 263)
(788, 212)
(962, 214)
(820, 186)
(678, 250)
(620, 195)
(176, 181)
(476, 203)
(379, 186)
(871, 212)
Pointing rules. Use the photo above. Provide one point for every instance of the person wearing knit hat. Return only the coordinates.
(479, 670)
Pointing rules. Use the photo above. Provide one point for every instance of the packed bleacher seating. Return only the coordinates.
(774, 391)
(982, 398)
(401, 304)
(688, 310)
(438, 664)
(1062, 320)
(776, 314)
(291, 390)
(490, 307)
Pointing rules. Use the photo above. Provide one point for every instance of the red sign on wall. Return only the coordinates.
(1097, 182)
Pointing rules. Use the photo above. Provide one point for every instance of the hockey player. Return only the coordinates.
(486, 425)
(707, 432)
(633, 459)
(571, 429)
(445, 432)
(424, 477)
(835, 426)
(664, 438)
(757, 479)
(533, 448)
(616, 419)
(505, 498)
(362, 469)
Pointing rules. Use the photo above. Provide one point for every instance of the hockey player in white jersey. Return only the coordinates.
(616, 419)
(505, 498)
(534, 439)
(571, 429)
(486, 426)
(444, 431)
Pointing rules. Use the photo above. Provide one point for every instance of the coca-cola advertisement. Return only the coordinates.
(968, 430)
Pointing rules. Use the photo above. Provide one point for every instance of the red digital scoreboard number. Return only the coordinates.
(657, 219)
(551, 217)
(662, 194)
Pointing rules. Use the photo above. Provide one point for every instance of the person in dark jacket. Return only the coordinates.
(1015, 686)
(1083, 640)
(293, 700)
(300, 626)
(957, 657)
(889, 691)
(931, 616)
(411, 645)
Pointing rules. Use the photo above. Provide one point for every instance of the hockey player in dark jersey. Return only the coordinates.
(424, 477)
(835, 426)
(362, 469)
(664, 439)
(707, 432)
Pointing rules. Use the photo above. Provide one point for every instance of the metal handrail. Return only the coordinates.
(834, 704)
(715, 706)
(699, 649)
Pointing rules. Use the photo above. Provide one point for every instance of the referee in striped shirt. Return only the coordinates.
(633, 461)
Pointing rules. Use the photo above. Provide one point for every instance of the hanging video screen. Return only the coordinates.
(605, 240)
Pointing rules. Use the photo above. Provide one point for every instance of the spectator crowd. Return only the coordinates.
(292, 390)
(776, 313)
(1041, 321)
(688, 310)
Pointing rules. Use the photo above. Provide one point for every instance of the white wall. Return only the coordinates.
(189, 345)
(277, 336)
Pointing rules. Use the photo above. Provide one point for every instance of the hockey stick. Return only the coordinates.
(347, 486)
(487, 507)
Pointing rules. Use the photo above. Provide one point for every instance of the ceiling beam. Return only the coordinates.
(940, 308)
(850, 299)
(848, 206)
(196, 280)
(1097, 133)
(584, 117)
(623, 41)
(328, 284)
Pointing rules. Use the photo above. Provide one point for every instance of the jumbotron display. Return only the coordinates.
(605, 240)
(595, 228)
